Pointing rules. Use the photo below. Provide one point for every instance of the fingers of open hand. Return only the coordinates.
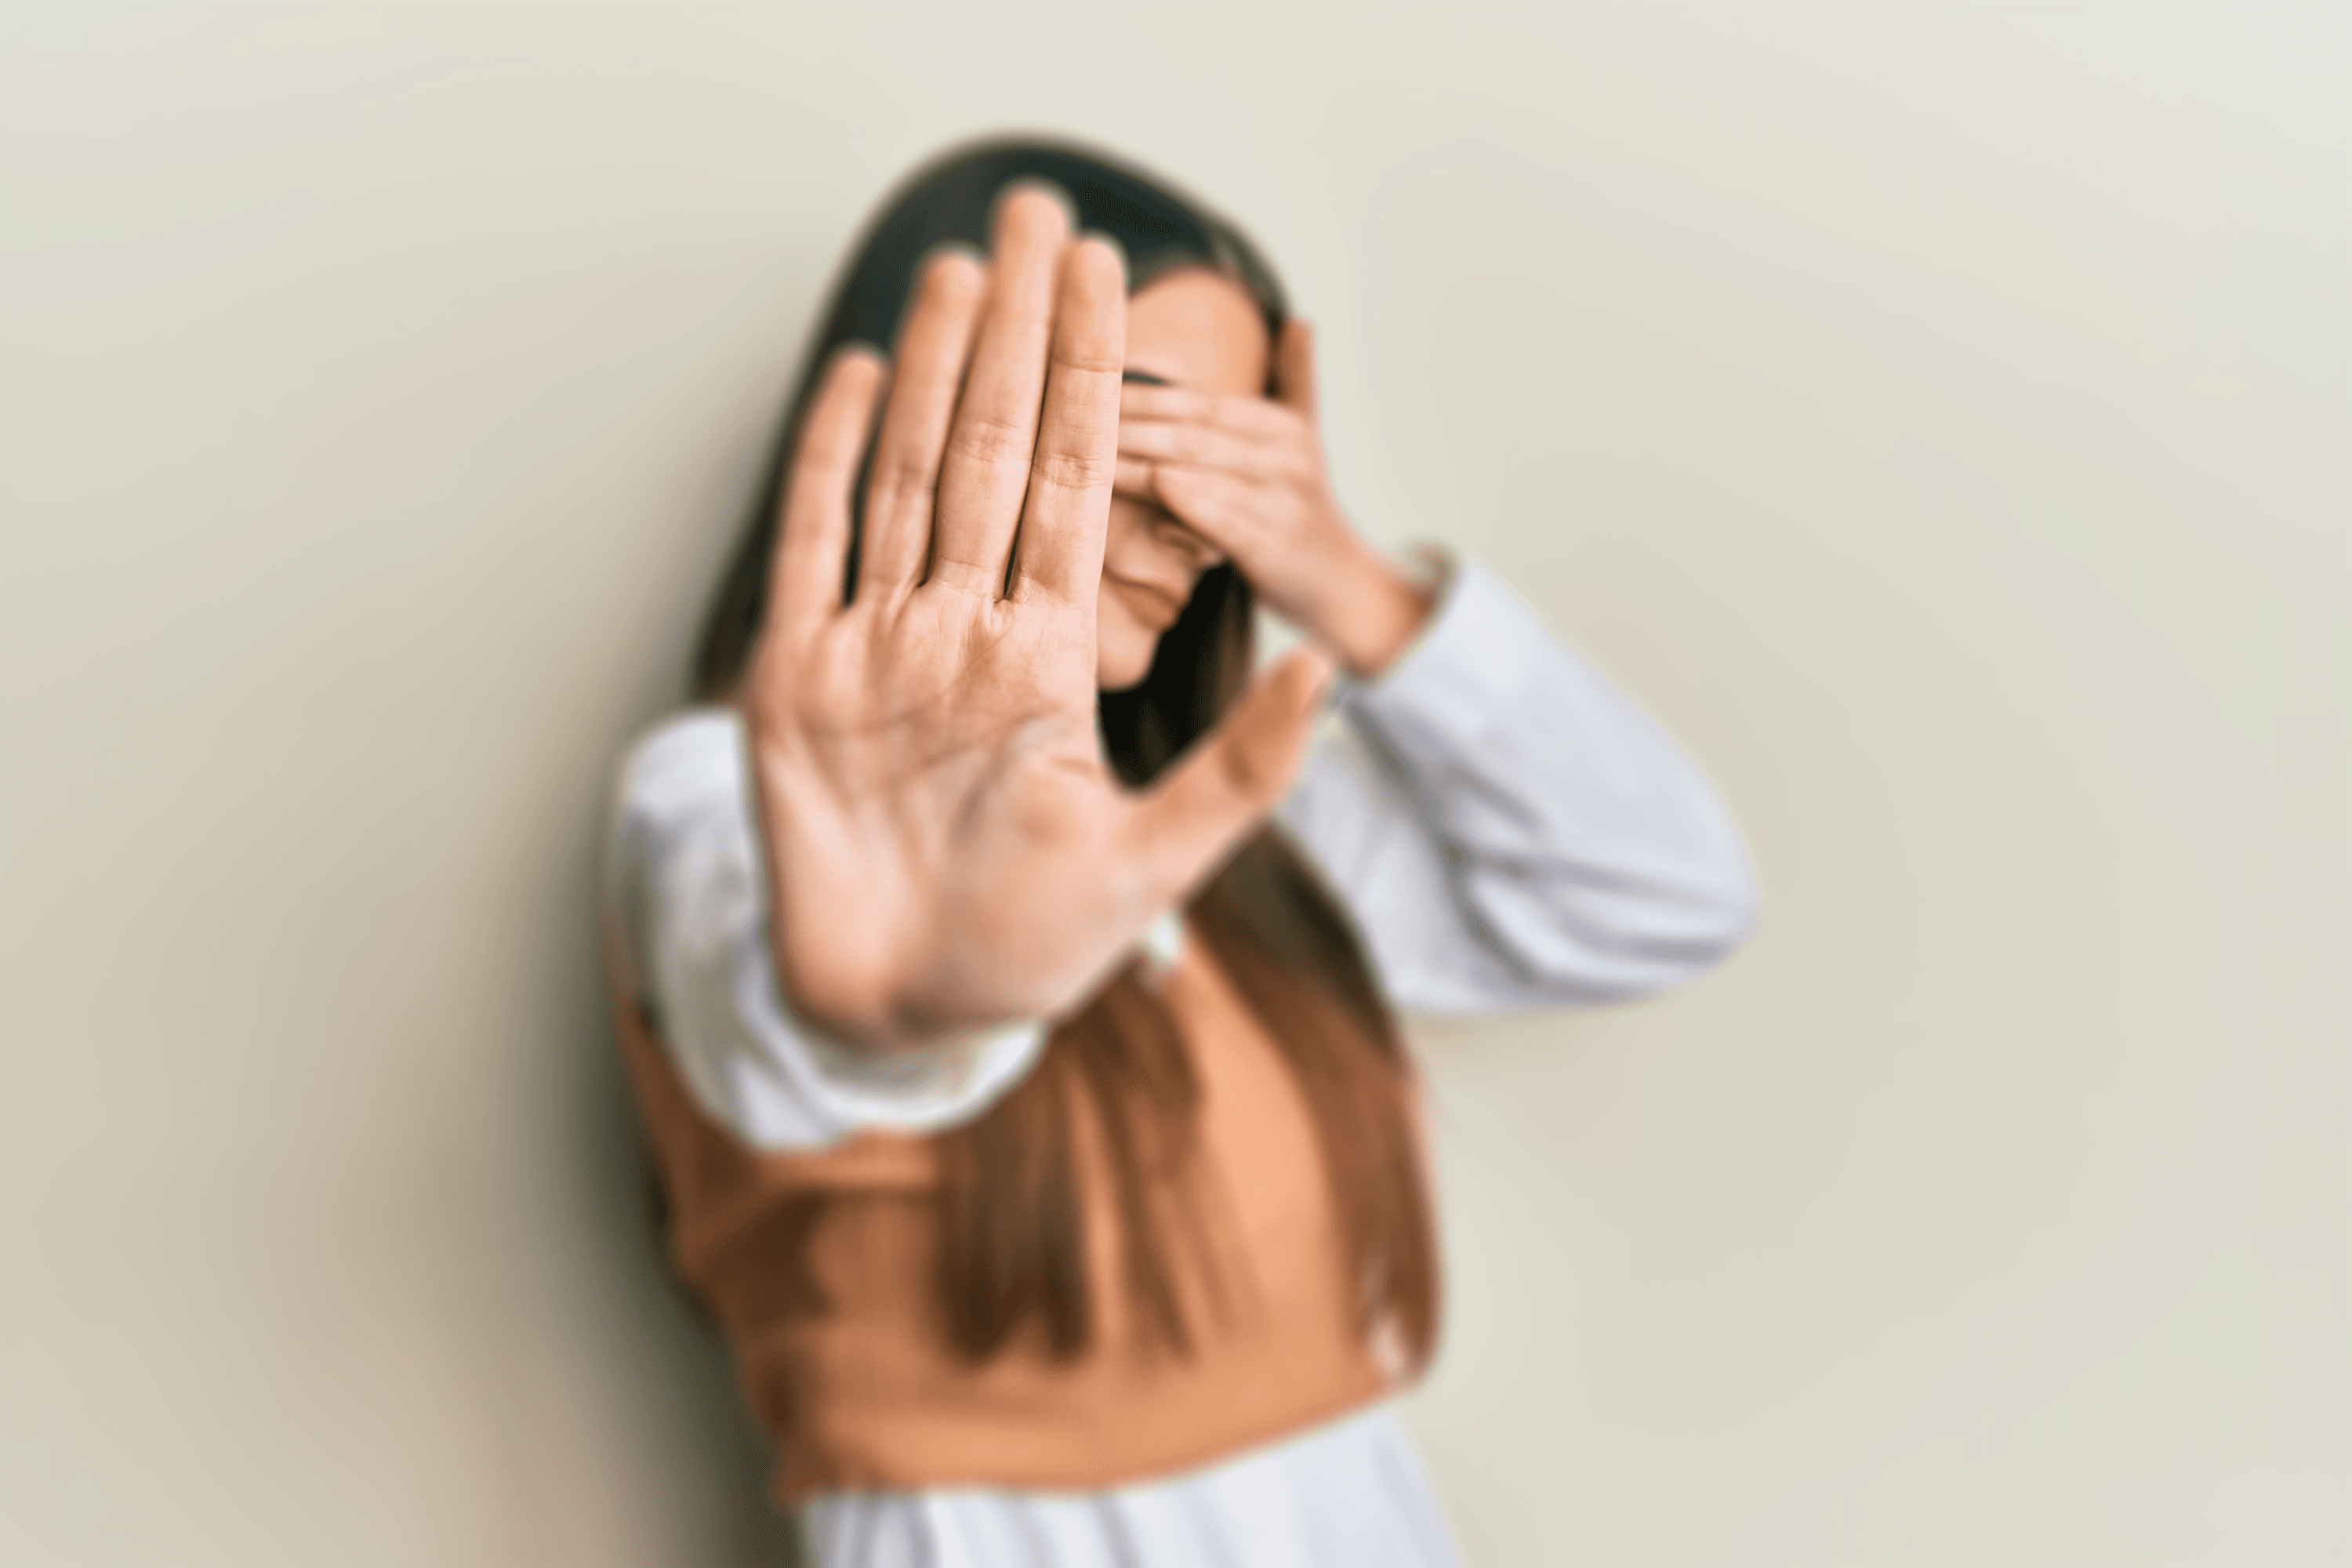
(1253, 418)
(1227, 510)
(1134, 479)
(1204, 446)
(1061, 543)
(986, 468)
(805, 587)
(933, 349)
(1233, 778)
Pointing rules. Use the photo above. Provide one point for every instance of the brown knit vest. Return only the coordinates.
(820, 1267)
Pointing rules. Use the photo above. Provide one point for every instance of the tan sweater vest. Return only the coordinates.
(846, 1360)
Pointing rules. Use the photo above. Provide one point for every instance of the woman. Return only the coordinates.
(1049, 1225)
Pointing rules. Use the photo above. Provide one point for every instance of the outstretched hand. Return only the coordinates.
(947, 846)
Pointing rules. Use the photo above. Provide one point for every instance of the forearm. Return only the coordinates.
(1364, 608)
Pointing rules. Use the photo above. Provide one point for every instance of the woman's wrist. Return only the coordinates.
(1369, 612)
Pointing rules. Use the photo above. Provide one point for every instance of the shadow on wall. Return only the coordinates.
(680, 1386)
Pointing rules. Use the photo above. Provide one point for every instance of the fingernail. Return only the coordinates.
(947, 247)
(1043, 186)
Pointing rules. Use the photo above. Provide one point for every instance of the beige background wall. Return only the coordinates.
(1936, 414)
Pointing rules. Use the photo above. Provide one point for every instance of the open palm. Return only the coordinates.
(947, 846)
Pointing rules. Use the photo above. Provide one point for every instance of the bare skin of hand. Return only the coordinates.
(947, 846)
(1247, 475)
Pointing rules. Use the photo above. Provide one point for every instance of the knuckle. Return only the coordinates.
(983, 438)
(1023, 317)
(905, 476)
(1074, 468)
(1091, 358)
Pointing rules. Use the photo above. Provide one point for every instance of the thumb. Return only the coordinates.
(1231, 779)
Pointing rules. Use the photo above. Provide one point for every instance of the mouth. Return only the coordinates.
(1155, 606)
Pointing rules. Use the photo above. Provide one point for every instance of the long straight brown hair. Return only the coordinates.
(1012, 1243)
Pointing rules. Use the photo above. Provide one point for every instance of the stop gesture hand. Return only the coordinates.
(947, 846)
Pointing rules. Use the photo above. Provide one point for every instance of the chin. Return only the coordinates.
(1121, 676)
(1123, 653)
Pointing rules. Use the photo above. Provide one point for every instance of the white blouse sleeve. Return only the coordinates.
(683, 880)
(1509, 831)
(1506, 829)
